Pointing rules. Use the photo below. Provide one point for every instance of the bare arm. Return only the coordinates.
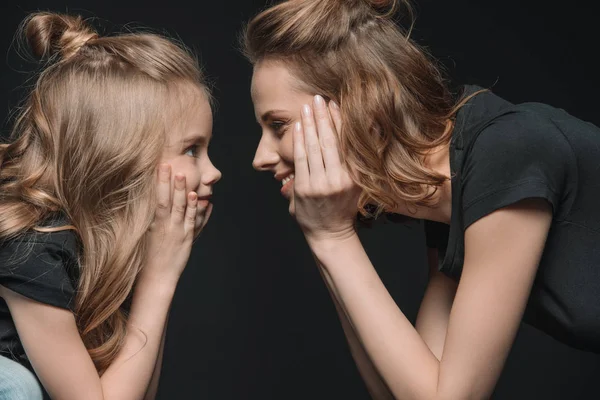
(486, 314)
(154, 381)
(375, 385)
(62, 362)
(434, 312)
(432, 323)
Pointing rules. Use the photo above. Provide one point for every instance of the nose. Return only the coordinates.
(212, 176)
(266, 157)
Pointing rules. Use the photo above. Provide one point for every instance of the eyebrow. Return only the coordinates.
(269, 114)
(195, 139)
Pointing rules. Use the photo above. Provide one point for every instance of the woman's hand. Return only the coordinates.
(171, 234)
(325, 196)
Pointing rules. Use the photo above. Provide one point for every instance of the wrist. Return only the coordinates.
(330, 245)
(159, 284)
(329, 237)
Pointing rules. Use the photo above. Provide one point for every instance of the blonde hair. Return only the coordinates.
(86, 143)
(395, 103)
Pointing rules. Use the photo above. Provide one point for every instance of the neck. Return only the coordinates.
(438, 160)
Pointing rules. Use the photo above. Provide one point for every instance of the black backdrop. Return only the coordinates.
(251, 318)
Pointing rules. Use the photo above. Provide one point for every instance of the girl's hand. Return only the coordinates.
(171, 235)
(325, 196)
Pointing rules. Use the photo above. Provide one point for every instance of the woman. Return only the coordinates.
(508, 192)
(103, 188)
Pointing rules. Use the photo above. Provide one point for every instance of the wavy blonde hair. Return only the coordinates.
(395, 103)
(86, 143)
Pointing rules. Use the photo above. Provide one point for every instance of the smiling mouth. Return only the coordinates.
(287, 179)
(287, 186)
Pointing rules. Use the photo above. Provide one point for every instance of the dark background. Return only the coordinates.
(252, 318)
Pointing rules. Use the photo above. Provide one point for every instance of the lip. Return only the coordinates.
(287, 189)
(207, 197)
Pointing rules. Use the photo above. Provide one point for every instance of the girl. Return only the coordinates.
(508, 192)
(103, 188)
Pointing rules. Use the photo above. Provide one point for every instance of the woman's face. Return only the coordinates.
(278, 102)
(277, 105)
(186, 150)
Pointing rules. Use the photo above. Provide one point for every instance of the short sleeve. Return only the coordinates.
(518, 156)
(41, 268)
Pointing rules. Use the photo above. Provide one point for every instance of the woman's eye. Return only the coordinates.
(277, 126)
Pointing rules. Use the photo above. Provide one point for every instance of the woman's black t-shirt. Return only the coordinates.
(502, 153)
(42, 267)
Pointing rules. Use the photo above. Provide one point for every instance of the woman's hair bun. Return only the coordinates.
(382, 3)
(49, 34)
(390, 8)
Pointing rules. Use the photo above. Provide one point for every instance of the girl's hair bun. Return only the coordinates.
(50, 34)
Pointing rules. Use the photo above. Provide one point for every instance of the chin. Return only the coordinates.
(202, 219)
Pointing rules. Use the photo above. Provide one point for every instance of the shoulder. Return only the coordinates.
(42, 266)
(62, 244)
(520, 129)
(520, 139)
(519, 154)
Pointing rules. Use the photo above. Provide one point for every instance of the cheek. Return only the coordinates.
(188, 167)
(286, 147)
(193, 177)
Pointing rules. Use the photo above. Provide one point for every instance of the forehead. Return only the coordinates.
(188, 109)
(273, 82)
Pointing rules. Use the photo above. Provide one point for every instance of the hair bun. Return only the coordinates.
(49, 34)
(382, 3)
(391, 8)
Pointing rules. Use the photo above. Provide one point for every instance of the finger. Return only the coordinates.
(312, 145)
(300, 160)
(327, 137)
(191, 212)
(163, 191)
(179, 199)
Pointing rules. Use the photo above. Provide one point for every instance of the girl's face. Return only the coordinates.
(277, 106)
(186, 150)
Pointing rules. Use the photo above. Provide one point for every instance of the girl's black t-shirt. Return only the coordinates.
(502, 153)
(42, 267)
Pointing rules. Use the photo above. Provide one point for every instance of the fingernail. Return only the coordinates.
(306, 110)
(334, 105)
(297, 126)
(193, 196)
(164, 167)
(318, 101)
(179, 177)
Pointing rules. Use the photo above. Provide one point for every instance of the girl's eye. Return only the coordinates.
(192, 151)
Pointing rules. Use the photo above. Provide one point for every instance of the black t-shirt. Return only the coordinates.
(502, 153)
(42, 267)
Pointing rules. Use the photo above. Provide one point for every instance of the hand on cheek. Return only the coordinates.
(325, 197)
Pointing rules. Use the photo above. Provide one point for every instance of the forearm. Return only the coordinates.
(376, 386)
(155, 380)
(434, 312)
(403, 359)
(129, 376)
